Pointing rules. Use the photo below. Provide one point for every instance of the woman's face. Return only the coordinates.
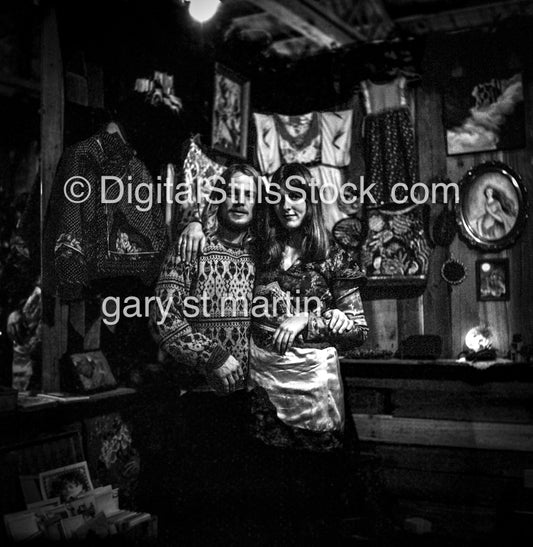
(291, 209)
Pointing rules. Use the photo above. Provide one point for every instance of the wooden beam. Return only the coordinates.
(52, 108)
(307, 22)
(462, 434)
(471, 17)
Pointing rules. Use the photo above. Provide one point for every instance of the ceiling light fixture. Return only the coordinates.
(203, 10)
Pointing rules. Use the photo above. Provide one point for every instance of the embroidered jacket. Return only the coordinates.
(98, 238)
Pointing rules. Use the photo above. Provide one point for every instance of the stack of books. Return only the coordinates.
(62, 504)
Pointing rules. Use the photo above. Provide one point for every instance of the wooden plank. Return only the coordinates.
(52, 109)
(451, 460)
(453, 488)
(410, 317)
(479, 435)
(307, 22)
(511, 389)
(381, 316)
(452, 520)
(450, 405)
(432, 165)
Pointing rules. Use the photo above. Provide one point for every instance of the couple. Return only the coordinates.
(294, 387)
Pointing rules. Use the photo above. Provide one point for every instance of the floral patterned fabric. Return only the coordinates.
(112, 457)
(198, 179)
(397, 244)
(297, 397)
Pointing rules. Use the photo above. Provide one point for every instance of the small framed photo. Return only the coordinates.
(231, 104)
(67, 483)
(492, 208)
(492, 279)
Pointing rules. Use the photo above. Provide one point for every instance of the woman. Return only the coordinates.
(499, 216)
(295, 384)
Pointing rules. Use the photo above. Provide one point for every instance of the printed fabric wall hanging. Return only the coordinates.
(396, 250)
(231, 101)
(315, 138)
(198, 176)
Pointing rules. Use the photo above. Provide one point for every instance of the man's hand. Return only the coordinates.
(15, 326)
(191, 242)
(285, 334)
(224, 378)
(338, 321)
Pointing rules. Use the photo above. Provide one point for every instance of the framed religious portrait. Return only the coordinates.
(492, 279)
(484, 114)
(231, 104)
(492, 208)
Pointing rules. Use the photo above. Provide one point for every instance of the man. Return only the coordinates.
(202, 320)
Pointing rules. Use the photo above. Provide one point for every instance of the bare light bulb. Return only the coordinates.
(203, 10)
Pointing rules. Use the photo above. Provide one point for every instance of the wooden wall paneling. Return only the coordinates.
(465, 309)
(461, 521)
(52, 109)
(462, 434)
(491, 463)
(520, 255)
(452, 488)
(382, 319)
(432, 163)
(410, 317)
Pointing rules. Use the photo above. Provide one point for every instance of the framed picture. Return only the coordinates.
(484, 114)
(492, 279)
(231, 105)
(67, 483)
(492, 208)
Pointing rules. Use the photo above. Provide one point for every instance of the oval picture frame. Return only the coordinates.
(492, 208)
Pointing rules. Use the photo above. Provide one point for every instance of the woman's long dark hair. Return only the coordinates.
(274, 237)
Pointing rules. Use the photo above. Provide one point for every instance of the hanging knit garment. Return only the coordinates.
(98, 238)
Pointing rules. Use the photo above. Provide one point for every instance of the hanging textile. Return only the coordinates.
(268, 153)
(299, 137)
(321, 138)
(94, 238)
(388, 140)
(198, 178)
(336, 130)
(397, 245)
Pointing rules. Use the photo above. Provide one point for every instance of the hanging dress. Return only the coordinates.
(388, 140)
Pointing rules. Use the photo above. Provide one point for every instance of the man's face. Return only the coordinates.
(236, 213)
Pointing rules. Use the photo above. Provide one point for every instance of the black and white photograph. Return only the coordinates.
(67, 483)
(492, 279)
(265, 273)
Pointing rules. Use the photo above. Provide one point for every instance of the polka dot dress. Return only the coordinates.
(389, 151)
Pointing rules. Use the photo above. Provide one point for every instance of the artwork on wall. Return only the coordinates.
(396, 247)
(492, 207)
(231, 104)
(484, 114)
(492, 279)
